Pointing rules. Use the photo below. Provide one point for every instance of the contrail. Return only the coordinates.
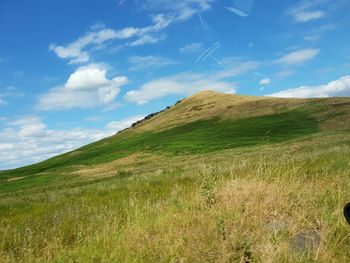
(201, 20)
(216, 60)
(208, 52)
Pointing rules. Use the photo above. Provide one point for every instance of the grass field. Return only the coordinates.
(268, 187)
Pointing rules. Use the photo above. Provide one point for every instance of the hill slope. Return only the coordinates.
(214, 178)
(206, 122)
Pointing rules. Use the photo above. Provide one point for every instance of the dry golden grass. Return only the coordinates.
(278, 202)
(15, 178)
(209, 104)
(129, 163)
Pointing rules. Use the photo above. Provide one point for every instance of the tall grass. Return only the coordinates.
(271, 203)
(203, 136)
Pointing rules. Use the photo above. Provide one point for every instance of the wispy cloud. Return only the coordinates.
(179, 84)
(9, 92)
(191, 48)
(265, 81)
(147, 39)
(179, 10)
(2, 102)
(314, 34)
(232, 67)
(306, 10)
(170, 12)
(123, 124)
(285, 73)
(339, 87)
(237, 11)
(87, 87)
(298, 56)
(241, 8)
(93, 118)
(78, 51)
(187, 83)
(140, 63)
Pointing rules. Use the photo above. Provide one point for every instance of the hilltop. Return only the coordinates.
(205, 122)
(215, 177)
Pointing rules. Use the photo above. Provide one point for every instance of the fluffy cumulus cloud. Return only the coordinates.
(298, 57)
(339, 87)
(183, 83)
(28, 140)
(87, 78)
(87, 87)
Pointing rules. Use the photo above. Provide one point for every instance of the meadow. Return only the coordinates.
(264, 188)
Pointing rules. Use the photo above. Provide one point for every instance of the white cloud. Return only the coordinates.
(170, 12)
(306, 11)
(191, 48)
(265, 81)
(316, 33)
(298, 56)
(87, 78)
(187, 83)
(123, 124)
(86, 87)
(28, 140)
(305, 16)
(339, 87)
(285, 73)
(179, 10)
(6, 146)
(148, 62)
(180, 84)
(147, 39)
(76, 52)
(30, 127)
(9, 92)
(93, 118)
(237, 11)
(233, 67)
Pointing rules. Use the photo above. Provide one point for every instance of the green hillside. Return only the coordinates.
(214, 178)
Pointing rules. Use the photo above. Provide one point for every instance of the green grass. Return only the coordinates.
(251, 205)
(259, 189)
(203, 136)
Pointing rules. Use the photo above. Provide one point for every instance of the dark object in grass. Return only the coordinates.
(347, 212)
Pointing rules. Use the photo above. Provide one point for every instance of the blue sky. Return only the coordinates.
(72, 72)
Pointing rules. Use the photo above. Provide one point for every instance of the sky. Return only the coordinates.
(73, 72)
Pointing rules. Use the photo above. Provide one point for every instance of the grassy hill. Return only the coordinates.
(214, 178)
